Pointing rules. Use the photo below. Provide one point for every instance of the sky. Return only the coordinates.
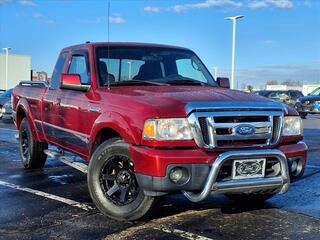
(276, 40)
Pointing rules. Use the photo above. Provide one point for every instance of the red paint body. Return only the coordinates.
(124, 109)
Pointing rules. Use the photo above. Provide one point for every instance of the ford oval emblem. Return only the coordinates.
(245, 130)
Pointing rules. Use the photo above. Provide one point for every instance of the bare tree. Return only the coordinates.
(272, 82)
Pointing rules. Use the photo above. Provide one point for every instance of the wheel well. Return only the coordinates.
(20, 115)
(104, 135)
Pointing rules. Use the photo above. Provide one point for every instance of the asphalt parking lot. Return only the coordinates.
(54, 203)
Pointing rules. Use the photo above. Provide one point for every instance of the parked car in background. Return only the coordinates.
(6, 111)
(5, 97)
(289, 97)
(309, 103)
(262, 93)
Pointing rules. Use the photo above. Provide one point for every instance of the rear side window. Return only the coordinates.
(79, 66)
(108, 68)
(56, 75)
(130, 68)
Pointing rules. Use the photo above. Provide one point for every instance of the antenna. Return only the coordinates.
(108, 43)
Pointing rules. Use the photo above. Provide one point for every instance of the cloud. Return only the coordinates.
(116, 19)
(37, 15)
(3, 2)
(27, 3)
(307, 4)
(269, 43)
(284, 4)
(113, 19)
(150, 9)
(42, 18)
(207, 4)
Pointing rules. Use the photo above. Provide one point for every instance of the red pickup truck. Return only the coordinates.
(151, 120)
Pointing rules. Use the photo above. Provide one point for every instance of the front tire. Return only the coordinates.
(112, 183)
(31, 151)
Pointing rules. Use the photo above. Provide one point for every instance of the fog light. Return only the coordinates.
(294, 166)
(179, 175)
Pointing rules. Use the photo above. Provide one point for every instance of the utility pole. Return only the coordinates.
(129, 74)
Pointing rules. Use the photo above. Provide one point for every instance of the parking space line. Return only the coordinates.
(47, 195)
(183, 234)
(313, 166)
(10, 130)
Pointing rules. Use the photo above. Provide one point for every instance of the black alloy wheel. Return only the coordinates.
(118, 181)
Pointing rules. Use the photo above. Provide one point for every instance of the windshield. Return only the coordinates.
(148, 65)
(315, 92)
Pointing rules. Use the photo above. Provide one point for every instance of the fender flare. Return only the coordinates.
(23, 105)
(116, 122)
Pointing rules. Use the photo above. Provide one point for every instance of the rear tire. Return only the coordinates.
(31, 151)
(249, 199)
(112, 183)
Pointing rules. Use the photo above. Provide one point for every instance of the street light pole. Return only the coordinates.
(234, 23)
(7, 49)
(215, 69)
(129, 74)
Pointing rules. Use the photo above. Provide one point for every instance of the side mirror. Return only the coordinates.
(73, 82)
(223, 82)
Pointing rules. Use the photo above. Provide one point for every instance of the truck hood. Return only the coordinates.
(170, 101)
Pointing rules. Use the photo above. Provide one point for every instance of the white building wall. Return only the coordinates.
(276, 87)
(309, 88)
(19, 68)
(305, 89)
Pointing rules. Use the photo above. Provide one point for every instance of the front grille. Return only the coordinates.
(219, 129)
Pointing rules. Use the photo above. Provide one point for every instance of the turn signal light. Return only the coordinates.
(149, 130)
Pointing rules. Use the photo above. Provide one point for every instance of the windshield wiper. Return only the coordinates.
(187, 82)
(133, 82)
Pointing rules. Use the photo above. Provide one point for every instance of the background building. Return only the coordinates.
(19, 68)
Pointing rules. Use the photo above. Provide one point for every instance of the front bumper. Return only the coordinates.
(152, 168)
(312, 108)
(6, 114)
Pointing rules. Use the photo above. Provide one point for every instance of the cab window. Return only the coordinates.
(78, 65)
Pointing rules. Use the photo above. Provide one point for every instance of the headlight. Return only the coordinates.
(167, 129)
(292, 126)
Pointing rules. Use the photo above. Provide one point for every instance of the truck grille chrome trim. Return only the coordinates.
(242, 128)
(279, 183)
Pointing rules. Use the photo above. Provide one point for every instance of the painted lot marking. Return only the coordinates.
(47, 195)
(313, 166)
(180, 233)
(7, 129)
